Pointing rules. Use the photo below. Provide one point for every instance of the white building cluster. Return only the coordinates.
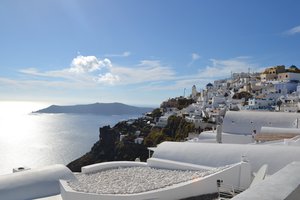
(275, 89)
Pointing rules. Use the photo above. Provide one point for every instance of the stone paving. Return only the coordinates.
(132, 180)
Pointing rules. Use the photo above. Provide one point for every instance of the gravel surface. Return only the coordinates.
(132, 180)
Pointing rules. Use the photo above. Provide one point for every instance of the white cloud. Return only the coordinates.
(223, 68)
(146, 71)
(293, 31)
(91, 70)
(31, 71)
(83, 64)
(195, 56)
(150, 63)
(82, 69)
(124, 54)
(55, 74)
(148, 74)
(218, 69)
(107, 62)
(179, 84)
(108, 78)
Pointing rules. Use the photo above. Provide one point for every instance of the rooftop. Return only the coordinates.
(130, 180)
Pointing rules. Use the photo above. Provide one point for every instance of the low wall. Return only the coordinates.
(34, 183)
(217, 155)
(109, 165)
(198, 186)
(283, 185)
(169, 164)
(276, 130)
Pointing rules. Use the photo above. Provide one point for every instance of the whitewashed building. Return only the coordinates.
(289, 76)
(244, 122)
(255, 103)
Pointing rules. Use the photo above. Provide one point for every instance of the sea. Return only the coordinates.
(37, 140)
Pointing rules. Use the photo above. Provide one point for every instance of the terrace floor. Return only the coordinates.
(132, 180)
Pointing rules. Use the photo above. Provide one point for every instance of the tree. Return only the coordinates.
(156, 113)
(178, 128)
(241, 95)
(155, 138)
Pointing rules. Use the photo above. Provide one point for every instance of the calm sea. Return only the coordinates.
(35, 140)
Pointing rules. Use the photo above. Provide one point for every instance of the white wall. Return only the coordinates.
(216, 155)
(276, 130)
(282, 185)
(290, 76)
(196, 187)
(244, 122)
(174, 165)
(109, 165)
(34, 183)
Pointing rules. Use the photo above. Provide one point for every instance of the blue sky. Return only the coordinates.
(138, 52)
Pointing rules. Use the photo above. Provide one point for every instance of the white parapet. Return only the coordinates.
(283, 185)
(202, 182)
(175, 165)
(34, 183)
(216, 155)
(109, 165)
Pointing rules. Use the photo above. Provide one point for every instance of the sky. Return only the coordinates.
(139, 52)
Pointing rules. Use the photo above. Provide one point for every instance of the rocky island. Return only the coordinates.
(97, 109)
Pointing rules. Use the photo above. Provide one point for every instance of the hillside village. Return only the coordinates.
(182, 118)
(198, 116)
(275, 89)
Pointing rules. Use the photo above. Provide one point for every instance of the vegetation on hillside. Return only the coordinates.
(240, 95)
(110, 148)
(178, 103)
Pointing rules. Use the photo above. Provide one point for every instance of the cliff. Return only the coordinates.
(110, 148)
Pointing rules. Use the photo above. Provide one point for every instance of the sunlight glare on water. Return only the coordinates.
(34, 140)
(18, 132)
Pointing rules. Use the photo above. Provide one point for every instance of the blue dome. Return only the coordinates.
(209, 85)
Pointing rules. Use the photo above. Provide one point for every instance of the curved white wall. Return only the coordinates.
(244, 122)
(109, 165)
(196, 187)
(34, 183)
(216, 155)
(276, 130)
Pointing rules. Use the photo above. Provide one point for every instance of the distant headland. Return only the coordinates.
(97, 109)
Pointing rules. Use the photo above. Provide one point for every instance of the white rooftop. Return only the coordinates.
(132, 180)
(244, 122)
(216, 155)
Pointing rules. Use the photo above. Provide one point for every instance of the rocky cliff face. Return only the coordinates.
(110, 148)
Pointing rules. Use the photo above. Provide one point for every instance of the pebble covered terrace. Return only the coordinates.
(132, 180)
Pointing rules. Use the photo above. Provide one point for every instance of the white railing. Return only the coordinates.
(226, 191)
